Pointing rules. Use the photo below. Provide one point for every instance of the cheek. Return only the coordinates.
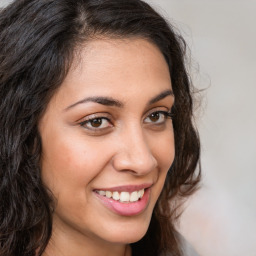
(68, 163)
(163, 149)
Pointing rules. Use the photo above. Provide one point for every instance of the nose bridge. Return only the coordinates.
(134, 152)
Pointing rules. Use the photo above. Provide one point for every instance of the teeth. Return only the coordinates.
(134, 196)
(116, 196)
(123, 196)
(108, 194)
(102, 193)
(141, 193)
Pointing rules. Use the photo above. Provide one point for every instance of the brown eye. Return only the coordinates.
(154, 117)
(158, 117)
(97, 122)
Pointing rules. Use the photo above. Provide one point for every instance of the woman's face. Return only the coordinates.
(107, 141)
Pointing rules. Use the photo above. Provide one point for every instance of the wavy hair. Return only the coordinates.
(38, 41)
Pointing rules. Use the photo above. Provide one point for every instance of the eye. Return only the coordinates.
(158, 117)
(96, 123)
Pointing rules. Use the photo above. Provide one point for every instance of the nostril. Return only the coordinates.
(134, 154)
(135, 165)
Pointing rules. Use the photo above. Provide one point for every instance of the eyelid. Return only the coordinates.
(167, 115)
(82, 122)
(160, 109)
(86, 122)
(94, 116)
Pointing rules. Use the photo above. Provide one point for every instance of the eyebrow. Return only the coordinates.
(161, 96)
(108, 101)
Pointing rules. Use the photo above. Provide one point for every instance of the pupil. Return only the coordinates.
(96, 122)
(154, 117)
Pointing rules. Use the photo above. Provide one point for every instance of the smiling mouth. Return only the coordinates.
(123, 196)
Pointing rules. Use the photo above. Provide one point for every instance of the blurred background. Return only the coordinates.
(220, 219)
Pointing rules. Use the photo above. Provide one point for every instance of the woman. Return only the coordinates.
(93, 95)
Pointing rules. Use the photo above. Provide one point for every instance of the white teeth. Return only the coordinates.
(141, 193)
(123, 196)
(102, 193)
(134, 196)
(116, 196)
(108, 194)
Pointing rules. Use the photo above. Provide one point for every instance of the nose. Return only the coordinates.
(134, 153)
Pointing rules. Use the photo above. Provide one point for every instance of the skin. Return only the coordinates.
(129, 147)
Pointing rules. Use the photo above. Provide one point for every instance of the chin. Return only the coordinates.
(133, 237)
(128, 234)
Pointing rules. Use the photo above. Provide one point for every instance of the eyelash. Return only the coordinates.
(166, 114)
(101, 119)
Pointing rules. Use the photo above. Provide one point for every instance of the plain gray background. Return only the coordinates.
(220, 220)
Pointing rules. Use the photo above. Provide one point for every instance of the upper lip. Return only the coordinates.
(127, 188)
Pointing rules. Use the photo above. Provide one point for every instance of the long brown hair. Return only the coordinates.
(38, 40)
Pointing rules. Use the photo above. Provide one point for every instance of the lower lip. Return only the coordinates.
(127, 208)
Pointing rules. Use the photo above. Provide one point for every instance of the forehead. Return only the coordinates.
(117, 67)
